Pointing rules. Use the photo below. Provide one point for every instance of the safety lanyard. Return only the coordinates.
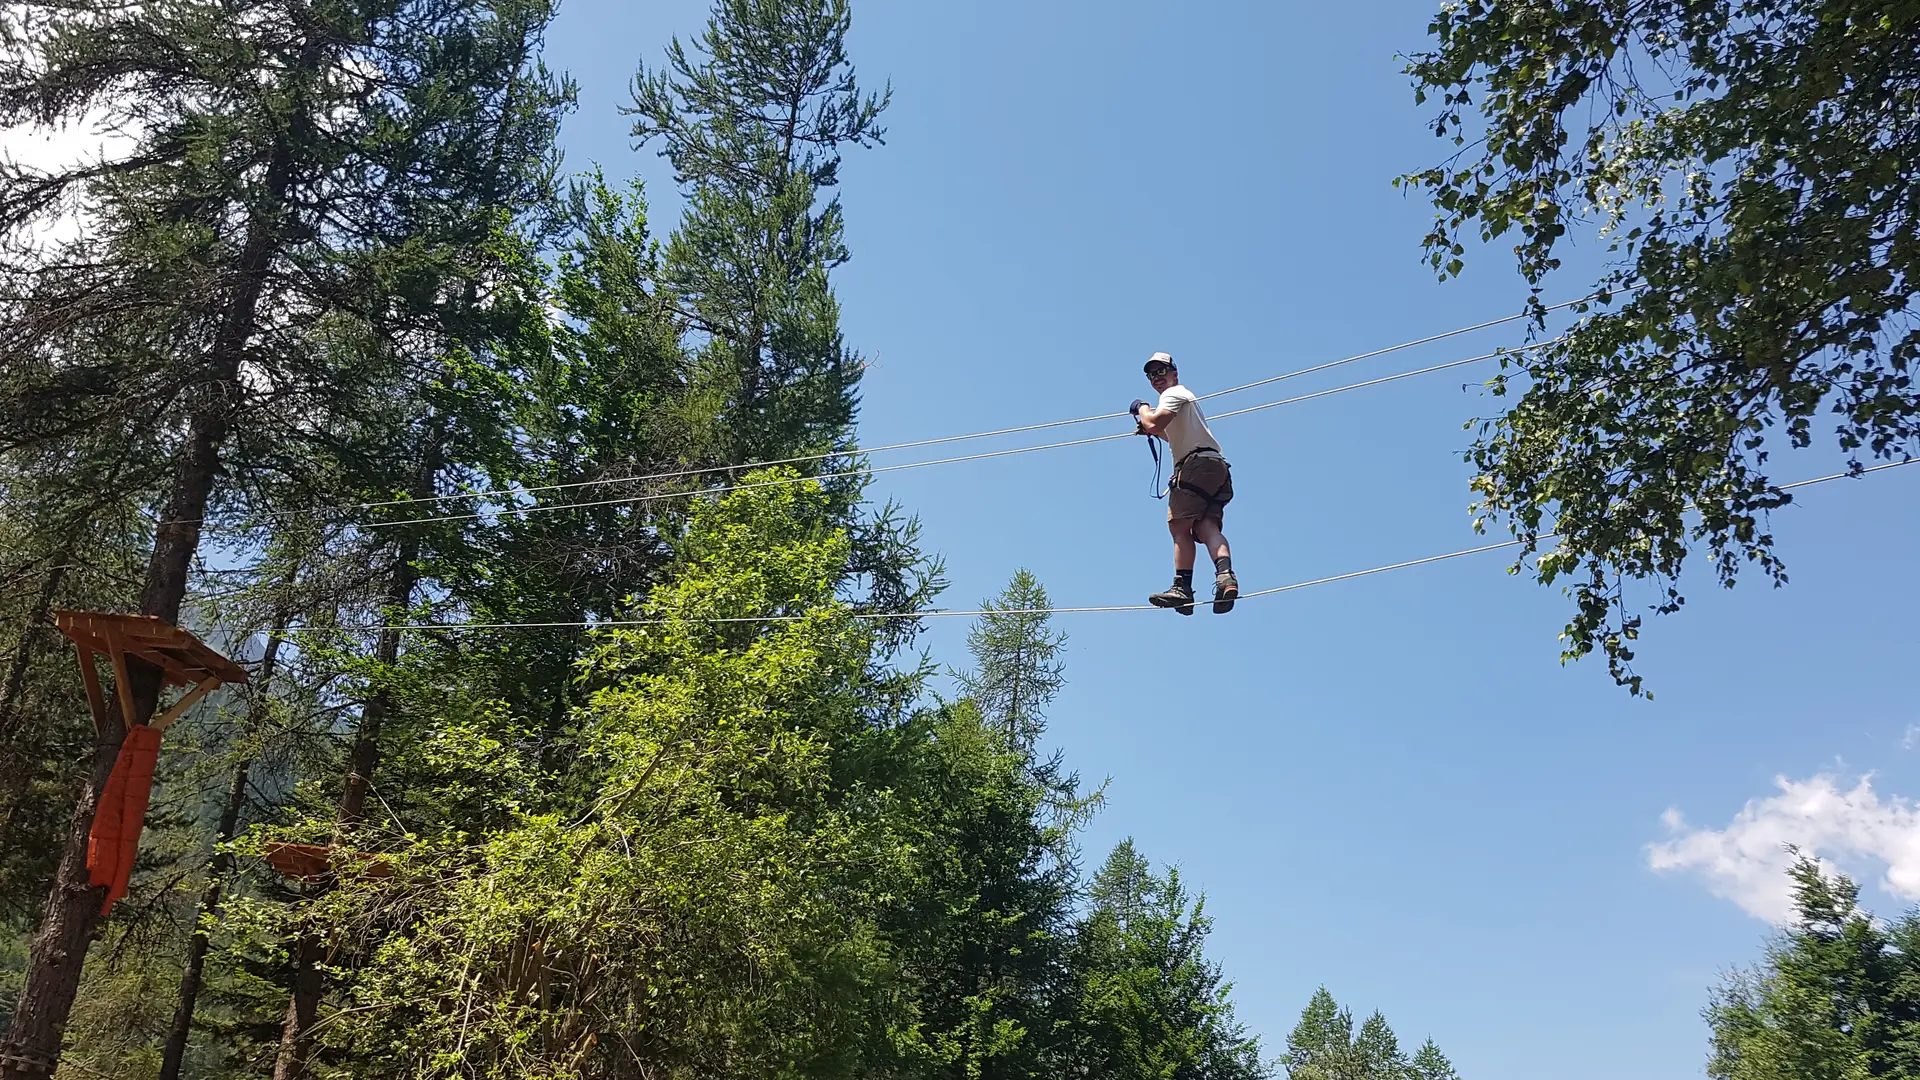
(1153, 447)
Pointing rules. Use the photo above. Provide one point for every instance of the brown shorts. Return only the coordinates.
(1201, 488)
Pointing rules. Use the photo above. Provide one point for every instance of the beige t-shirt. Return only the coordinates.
(1187, 430)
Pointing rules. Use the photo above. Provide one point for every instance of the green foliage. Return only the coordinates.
(756, 864)
(737, 840)
(1838, 997)
(70, 539)
(981, 929)
(589, 385)
(984, 932)
(1018, 667)
(239, 305)
(710, 911)
(1322, 1042)
(1145, 1002)
(753, 119)
(1430, 1064)
(273, 190)
(1747, 163)
(1324, 1046)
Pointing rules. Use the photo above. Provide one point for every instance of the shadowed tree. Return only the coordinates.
(1145, 1002)
(986, 932)
(303, 185)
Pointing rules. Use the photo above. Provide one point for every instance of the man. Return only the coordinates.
(1198, 494)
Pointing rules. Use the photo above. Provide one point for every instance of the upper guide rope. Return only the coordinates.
(510, 492)
(982, 612)
(620, 500)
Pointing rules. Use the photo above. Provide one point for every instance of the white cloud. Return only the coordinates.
(1912, 738)
(1746, 862)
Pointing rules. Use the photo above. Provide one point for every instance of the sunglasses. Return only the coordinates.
(1158, 370)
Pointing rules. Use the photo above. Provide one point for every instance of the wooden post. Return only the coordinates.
(156, 648)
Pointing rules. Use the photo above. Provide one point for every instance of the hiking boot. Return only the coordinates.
(1226, 589)
(1178, 597)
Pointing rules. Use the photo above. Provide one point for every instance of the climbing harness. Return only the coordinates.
(1174, 482)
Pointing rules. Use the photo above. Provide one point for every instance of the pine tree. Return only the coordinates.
(1017, 667)
(1325, 1046)
(1430, 1064)
(594, 388)
(982, 930)
(753, 119)
(1321, 1044)
(1376, 1051)
(1145, 1001)
(985, 931)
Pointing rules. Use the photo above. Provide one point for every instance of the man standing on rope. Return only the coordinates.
(1198, 494)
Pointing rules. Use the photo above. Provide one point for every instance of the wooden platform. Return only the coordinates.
(181, 658)
(185, 659)
(311, 862)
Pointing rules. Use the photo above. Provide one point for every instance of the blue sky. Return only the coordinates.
(1389, 786)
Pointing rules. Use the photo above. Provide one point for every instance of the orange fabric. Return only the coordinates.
(115, 838)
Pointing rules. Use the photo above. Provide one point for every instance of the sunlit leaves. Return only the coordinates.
(1750, 165)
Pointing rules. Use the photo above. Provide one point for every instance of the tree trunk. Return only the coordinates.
(176, 1046)
(366, 740)
(303, 1007)
(33, 1043)
(290, 1063)
(309, 951)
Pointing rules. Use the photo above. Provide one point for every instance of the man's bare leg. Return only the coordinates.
(1182, 531)
(1207, 531)
(1226, 587)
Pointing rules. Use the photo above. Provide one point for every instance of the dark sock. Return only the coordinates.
(1183, 578)
(1223, 565)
